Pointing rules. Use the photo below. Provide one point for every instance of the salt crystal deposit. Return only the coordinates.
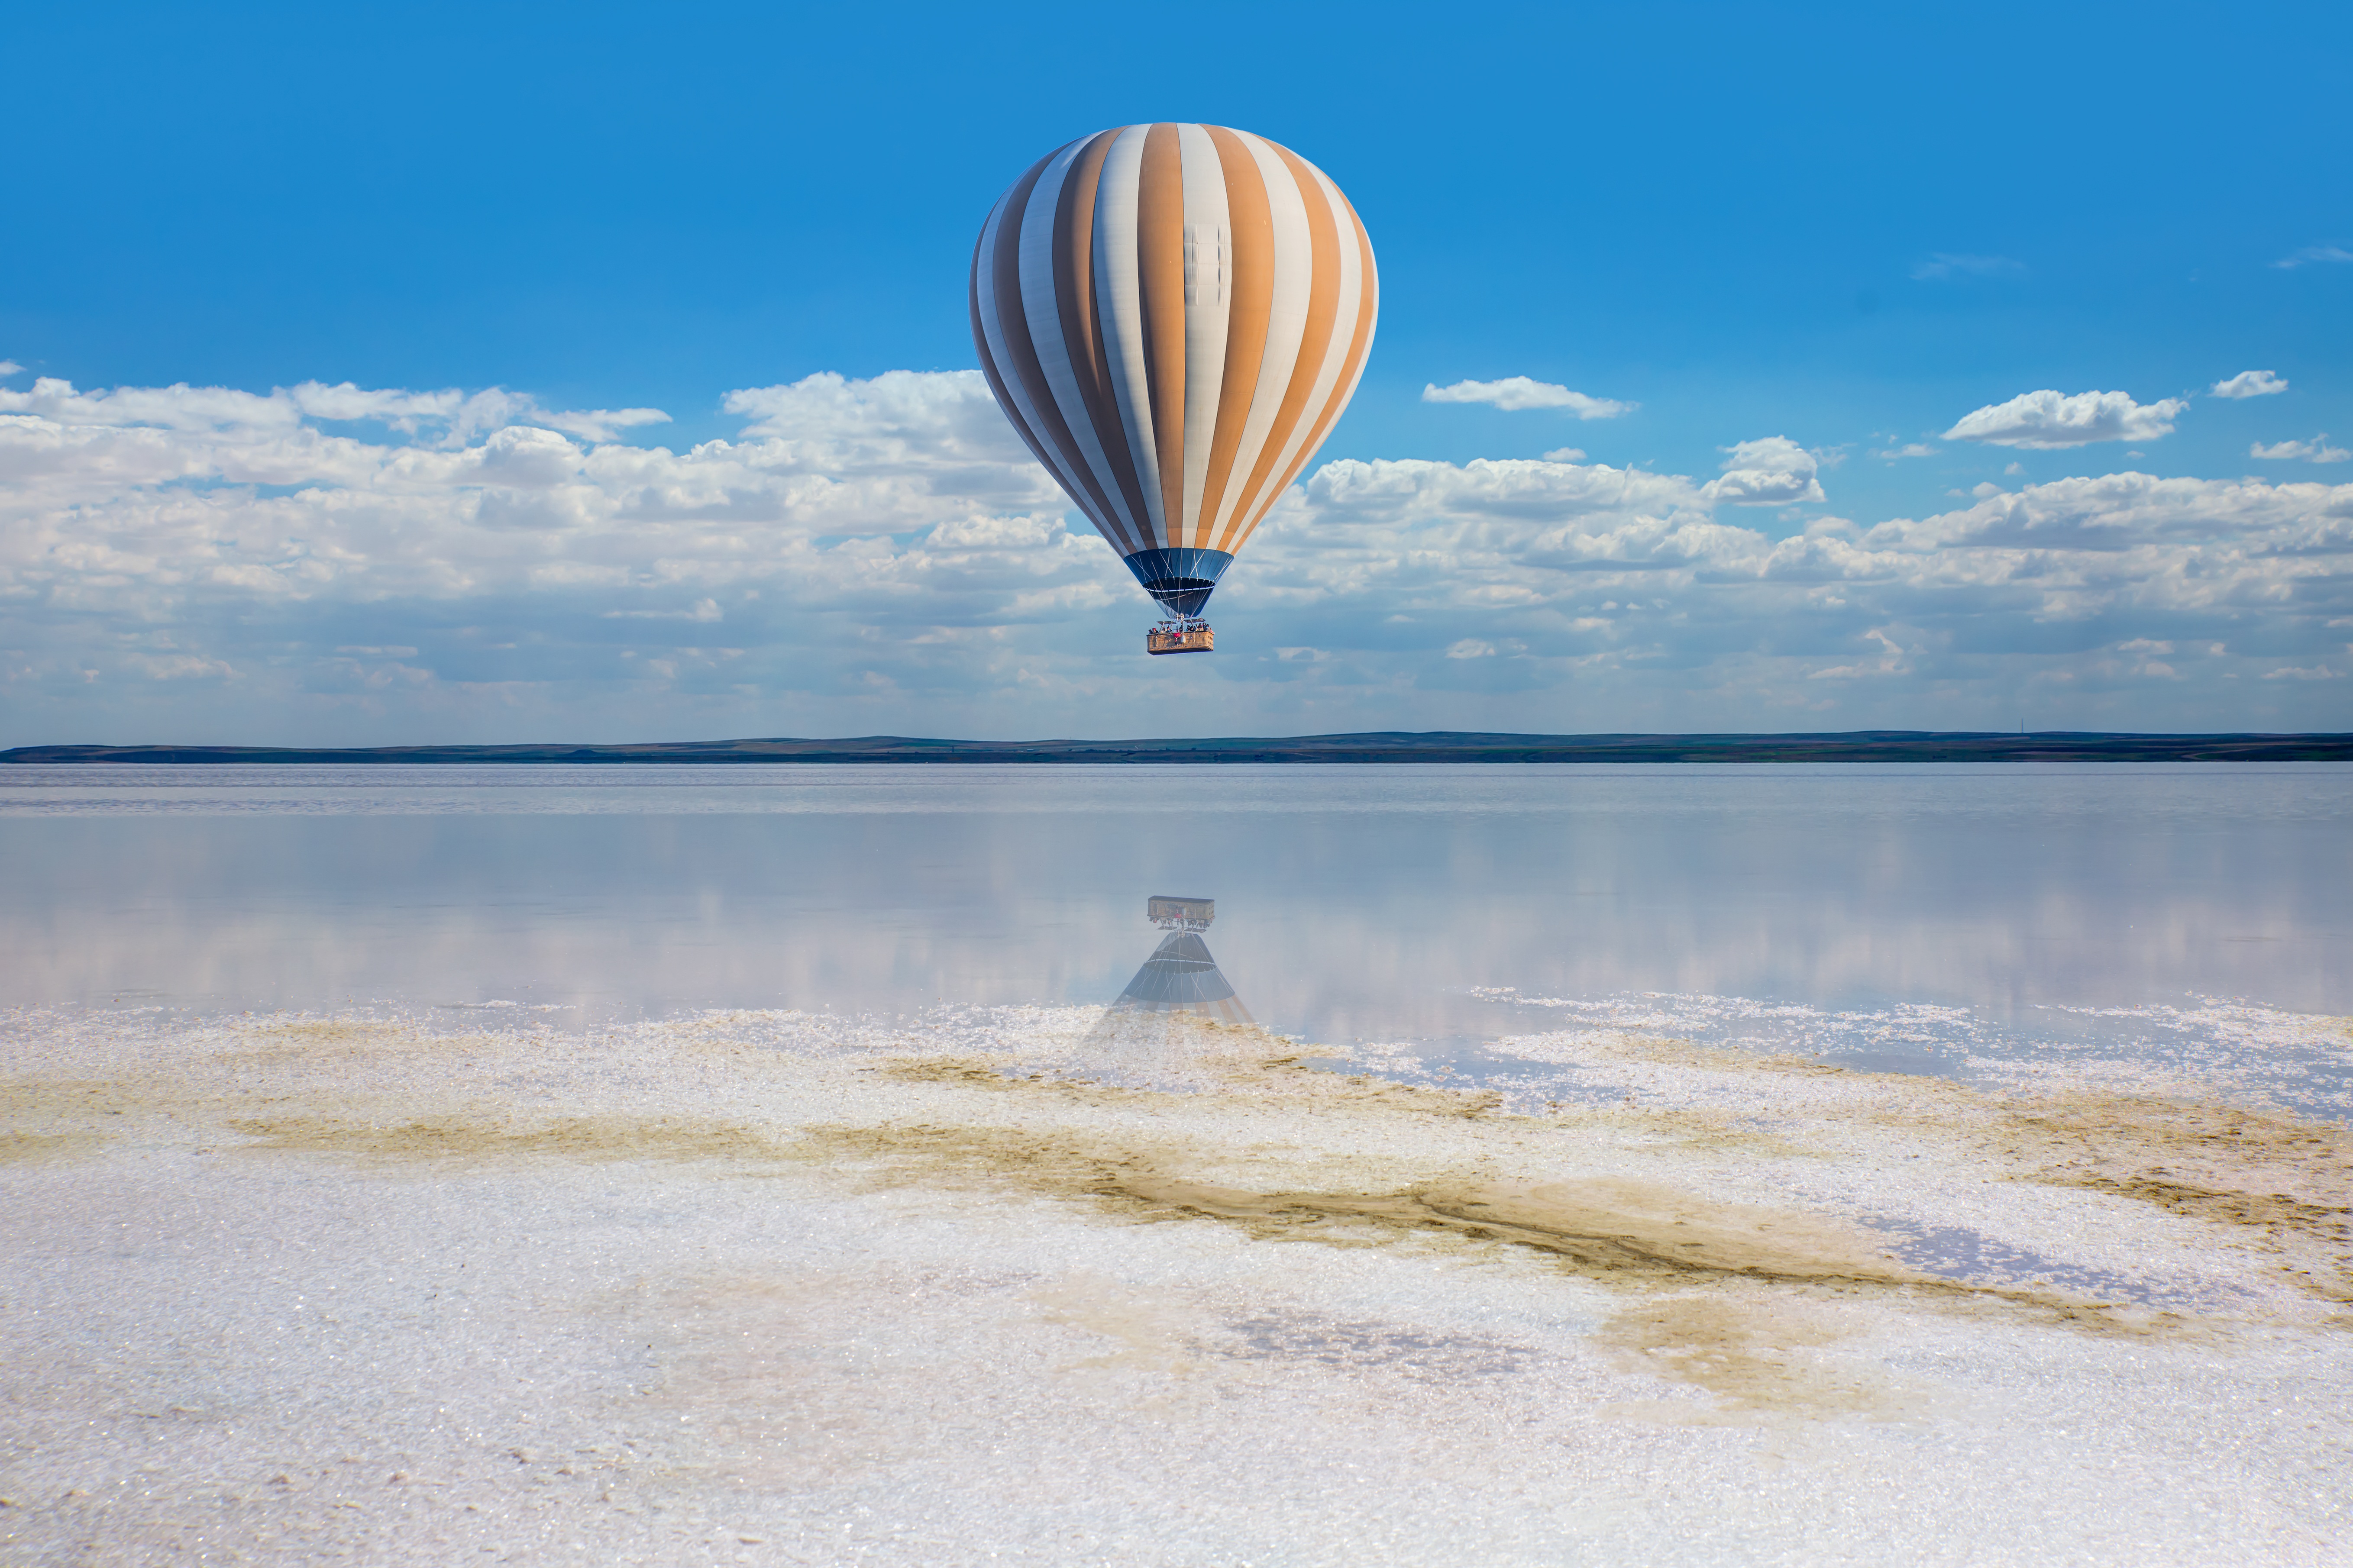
(1038, 1284)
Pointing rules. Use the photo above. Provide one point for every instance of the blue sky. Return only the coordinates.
(1846, 228)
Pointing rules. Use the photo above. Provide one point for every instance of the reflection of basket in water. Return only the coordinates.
(1190, 914)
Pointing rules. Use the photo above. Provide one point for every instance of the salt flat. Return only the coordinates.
(1044, 1284)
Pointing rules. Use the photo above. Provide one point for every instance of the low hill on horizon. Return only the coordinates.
(1376, 746)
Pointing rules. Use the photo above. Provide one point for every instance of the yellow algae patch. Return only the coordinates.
(2264, 1211)
(321, 1042)
(2223, 1147)
(60, 1099)
(44, 1120)
(1148, 1334)
(1683, 1231)
(1612, 1047)
(2287, 1181)
(1702, 1128)
(1759, 1357)
(1611, 1231)
(980, 1074)
(1239, 1075)
(30, 1148)
(1051, 1165)
(458, 1138)
(1616, 1230)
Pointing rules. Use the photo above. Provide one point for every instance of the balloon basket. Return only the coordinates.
(1180, 636)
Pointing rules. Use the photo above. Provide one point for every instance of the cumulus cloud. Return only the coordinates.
(2314, 253)
(2045, 420)
(882, 556)
(2249, 383)
(602, 423)
(1946, 264)
(1891, 660)
(1774, 472)
(2033, 583)
(455, 418)
(1514, 392)
(130, 516)
(2316, 450)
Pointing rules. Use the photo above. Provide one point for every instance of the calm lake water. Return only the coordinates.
(1903, 915)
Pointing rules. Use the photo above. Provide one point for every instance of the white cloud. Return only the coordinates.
(2316, 450)
(1607, 589)
(2249, 383)
(882, 556)
(2044, 420)
(1909, 449)
(1945, 264)
(701, 610)
(525, 457)
(1551, 557)
(602, 423)
(404, 411)
(1565, 454)
(1514, 392)
(2312, 253)
(456, 418)
(9, 367)
(1774, 472)
(1891, 662)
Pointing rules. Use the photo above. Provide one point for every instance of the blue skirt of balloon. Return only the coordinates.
(1181, 580)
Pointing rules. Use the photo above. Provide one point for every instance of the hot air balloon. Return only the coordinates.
(1173, 316)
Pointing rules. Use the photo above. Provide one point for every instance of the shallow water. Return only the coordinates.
(1895, 916)
(808, 1165)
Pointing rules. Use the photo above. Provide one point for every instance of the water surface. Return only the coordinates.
(1893, 917)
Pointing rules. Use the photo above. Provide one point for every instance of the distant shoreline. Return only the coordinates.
(1387, 746)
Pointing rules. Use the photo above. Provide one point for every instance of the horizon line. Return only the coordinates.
(1340, 747)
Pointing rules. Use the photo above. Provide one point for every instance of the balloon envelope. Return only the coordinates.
(1173, 316)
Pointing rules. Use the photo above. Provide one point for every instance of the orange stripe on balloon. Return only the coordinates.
(1249, 308)
(1367, 307)
(1323, 312)
(1160, 267)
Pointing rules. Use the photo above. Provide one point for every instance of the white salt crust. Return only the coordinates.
(771, 1288)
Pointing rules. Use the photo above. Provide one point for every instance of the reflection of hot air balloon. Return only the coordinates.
(1180, 976)
(1173, 316)
(1167, 1018)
